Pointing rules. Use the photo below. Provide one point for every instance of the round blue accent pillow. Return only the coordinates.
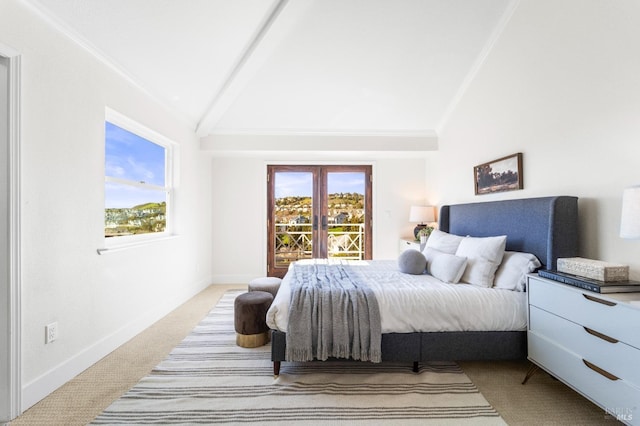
(412, 262)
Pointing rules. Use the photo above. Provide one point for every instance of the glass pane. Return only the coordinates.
(345, 215)
(131, 210)
(129, 156)
(292, 217)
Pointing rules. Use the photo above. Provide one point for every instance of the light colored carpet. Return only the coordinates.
(208, 379)
(542, 401)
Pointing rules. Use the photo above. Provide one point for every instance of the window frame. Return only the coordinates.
(171, 152)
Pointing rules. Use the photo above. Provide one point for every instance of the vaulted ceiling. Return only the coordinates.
(359, 67)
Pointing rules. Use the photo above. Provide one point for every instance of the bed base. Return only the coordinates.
(436, 346)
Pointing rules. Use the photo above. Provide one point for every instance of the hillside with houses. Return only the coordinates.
(142, 219)
(343, 208)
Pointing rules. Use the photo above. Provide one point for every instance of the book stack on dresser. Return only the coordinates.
(590, 341)
(593, 275)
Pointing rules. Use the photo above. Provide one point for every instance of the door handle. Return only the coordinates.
(600, 371)
(595, 299)
(600, 335)
(324, 223)
(315, 222)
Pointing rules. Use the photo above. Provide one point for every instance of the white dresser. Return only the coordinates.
(590, 341)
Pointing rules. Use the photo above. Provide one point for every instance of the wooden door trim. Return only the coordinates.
(320, 195)
(368, 195)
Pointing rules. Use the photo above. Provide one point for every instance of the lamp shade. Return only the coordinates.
(630, 220)
(421, 214)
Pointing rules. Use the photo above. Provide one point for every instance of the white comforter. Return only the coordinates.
(414, 303)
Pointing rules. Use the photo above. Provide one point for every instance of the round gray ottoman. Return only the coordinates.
(250, 313)
(268, 284)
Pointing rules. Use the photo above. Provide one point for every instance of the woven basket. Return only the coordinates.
(595, 269)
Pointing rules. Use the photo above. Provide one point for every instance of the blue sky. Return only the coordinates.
(290, 184)
(118, 196)
(128, 156)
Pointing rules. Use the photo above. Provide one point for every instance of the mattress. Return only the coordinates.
(422, 303)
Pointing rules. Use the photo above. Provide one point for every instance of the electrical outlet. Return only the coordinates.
(50, 332)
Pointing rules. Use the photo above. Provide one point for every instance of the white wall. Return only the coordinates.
(561, 85)
(98, 301)
(240, 207)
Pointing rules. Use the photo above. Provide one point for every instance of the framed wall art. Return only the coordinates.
(503, 174)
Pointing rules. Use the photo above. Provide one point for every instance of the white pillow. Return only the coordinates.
(444, 266)
(444, 242)
(511, 274)
(483, 258)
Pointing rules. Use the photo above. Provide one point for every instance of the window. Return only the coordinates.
(137, 181)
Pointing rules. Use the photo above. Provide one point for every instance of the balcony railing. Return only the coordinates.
(294, 242)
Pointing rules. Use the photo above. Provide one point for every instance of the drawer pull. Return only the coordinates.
(600, 370)
(600, 335)
(595, 299)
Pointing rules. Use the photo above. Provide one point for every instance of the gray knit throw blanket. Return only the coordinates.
(332, 313)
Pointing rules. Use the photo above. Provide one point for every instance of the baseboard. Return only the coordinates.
(37, 389)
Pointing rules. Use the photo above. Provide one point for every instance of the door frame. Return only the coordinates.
(11, 323)
(320, 172)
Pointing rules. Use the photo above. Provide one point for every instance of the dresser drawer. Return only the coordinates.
(614, 396)
(617, 358)
(588, 309)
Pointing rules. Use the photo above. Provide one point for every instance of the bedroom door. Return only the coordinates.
(317, 212)
(10, 355)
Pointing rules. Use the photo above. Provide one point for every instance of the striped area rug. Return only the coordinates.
(207, 379)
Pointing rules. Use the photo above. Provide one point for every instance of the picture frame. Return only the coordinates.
(503, 174)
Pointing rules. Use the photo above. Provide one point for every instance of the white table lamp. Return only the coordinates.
(421, 214)
(630, 220)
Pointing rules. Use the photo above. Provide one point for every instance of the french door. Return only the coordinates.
(317, 212)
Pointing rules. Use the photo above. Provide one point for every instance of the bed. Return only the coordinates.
(546, 227)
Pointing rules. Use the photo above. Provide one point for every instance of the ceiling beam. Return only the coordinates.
(410, 144)
(478, 63)
(263, 42)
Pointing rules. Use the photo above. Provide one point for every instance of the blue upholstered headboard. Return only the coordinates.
(546, 227)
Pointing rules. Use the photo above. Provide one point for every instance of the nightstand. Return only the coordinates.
(590, 341)
(410, 244)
